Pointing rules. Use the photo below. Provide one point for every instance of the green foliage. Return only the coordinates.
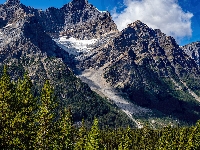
(126, 140)
(44, 118)
(93, 139)
(65, 130)
(28, 122)
(81, 137)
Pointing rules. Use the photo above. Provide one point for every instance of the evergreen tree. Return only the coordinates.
(65, 131)
(81, 137)
(25, 106)
(93, 140)
(45, 117)
(6, 106)
(126, 141)
(194, 138)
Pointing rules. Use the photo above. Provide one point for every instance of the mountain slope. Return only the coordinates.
(152, 70)
(26, 47)
(139, 70)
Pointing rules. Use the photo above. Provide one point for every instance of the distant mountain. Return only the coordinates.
(140, 74)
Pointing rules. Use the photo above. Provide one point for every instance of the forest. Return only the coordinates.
(42, 122)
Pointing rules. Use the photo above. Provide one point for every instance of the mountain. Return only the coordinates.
(130, 77)
(77, 19)
(151, 70)
(25, 46)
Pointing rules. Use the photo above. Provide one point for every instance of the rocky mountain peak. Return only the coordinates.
(79, 2)
(137, 23)
(13, 2)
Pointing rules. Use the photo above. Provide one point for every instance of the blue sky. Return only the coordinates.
(179, 18)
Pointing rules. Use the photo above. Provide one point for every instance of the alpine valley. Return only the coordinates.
(132, 77)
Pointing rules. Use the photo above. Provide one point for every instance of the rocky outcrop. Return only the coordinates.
(143, 45)
(12, 2)
(25, 46)
(193, 50)
(145, 64)
(77, 19)
(82, 20)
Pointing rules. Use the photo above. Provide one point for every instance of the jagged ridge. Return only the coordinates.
(152, 70)
(25, 46)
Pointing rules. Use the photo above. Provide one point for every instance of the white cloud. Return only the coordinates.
(166, 15)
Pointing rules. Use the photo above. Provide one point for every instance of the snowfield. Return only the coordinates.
(76, 47)
(101, 11)
(82, 49)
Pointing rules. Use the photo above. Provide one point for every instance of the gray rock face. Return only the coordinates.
(143, 63)
(77, 19)
(143, 45)
(193, 50)
(147, 65)
(26, 45)
(82, 20)
(13, 2)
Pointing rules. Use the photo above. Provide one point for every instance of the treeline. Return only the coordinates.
(41, 122)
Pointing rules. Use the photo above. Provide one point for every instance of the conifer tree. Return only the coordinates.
(81, 137)
(25, 106)
(197, 136)
(93, 140)
(194, 138)
(65, 130)
(126, 142)
(45, 118)
(6, 114)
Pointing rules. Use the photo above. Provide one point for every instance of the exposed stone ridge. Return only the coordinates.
(193, 50)
(77, 19)
(149, 46)
(12, 2)
(79, 2)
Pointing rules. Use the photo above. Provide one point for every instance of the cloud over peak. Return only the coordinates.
(166, 15)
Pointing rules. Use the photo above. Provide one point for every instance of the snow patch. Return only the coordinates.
(76, 47)
(78, 44)
(8, 25)
(82, 49)
(101, 11)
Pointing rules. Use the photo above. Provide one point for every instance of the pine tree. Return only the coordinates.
(93, 140)
(25, 106)
(6, 114)
(126, 142)
(81, 137)
(163, 140)
(65, 130)
(197, 136)
(194, 138)
(45, 118)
